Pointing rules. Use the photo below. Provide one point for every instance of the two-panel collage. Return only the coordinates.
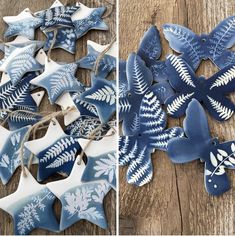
(117, 117)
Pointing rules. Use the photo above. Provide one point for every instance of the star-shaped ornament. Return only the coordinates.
(19, 97)
(19, 62)
(102, 95)
(23, 24)
(87, 19)
(56, 151)
(58, 79)
(80, 200)
(102, 161)
(66, 102)
(106, 64)
(31, 206)
(11, 142)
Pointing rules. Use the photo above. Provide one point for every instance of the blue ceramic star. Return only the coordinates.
(101, 164)
(195, 48)
(85, 108)
(102, 95)
(135, 151)
(65, 39)
(59, 16)
(198, 144)
(85, 125)
(21, 119)
(31, 206)
(80, 201)
(10, 152)
(211, 92)
(106, 64)
(58, 79)
(18, 97)
(23, 24)
(138, 83)
(87, 19)
(56, 151)
(19, 61)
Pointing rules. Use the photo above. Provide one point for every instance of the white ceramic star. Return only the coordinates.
(57, 79)
(23, 24)
(31, 206)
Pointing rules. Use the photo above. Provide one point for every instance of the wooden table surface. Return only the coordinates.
(14, 7)
(175, 202)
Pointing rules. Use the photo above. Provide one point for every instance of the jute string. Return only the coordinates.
(102, 54)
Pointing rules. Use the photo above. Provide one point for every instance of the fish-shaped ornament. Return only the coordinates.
(211, 92)
(198, 144)
(195, 48)
(135, 151)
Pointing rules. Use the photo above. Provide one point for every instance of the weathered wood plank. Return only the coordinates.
(175, 202)
(13, 7)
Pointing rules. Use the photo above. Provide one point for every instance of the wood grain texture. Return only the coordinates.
(175, 202)
(11, 8)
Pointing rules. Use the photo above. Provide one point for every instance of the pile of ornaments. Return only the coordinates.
(148, 84)
(27, 67)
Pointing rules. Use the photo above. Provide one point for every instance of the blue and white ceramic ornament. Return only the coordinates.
(56, 151)
(80, 201)
(85, 126)
(23, 24)
(10, 152)
(57, 16)
(57, 79)
(198, 144)
(195, 48)
(19, 97)
(135, 151)
(31, 206)
(102, 95)
(106, 64)
(211, 92)
(139, 82)
(102, 160)
(20, 61)
(87, 19)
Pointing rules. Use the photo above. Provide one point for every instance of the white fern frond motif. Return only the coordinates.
(182, 70)
(105, 94)
(193, 47)
(222, 37)
(224, 112)
(23, 117)
(58, 149)
(140, 85)
(178, 102)
(135, 125)
(62, 78)
(124, 105)
(225, 78)
(65, 157)
(15, 98)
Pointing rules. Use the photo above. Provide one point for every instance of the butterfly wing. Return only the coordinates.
(185, 149)
(150, 46)
(220, 39)
(138, 75)
(219, 157)
(184, 81)
(184, 41)
(134, 152)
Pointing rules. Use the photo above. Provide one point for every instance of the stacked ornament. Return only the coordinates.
(88, 112)
(147, 85)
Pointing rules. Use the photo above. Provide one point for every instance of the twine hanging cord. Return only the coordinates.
(47, 117)
(101, 55)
